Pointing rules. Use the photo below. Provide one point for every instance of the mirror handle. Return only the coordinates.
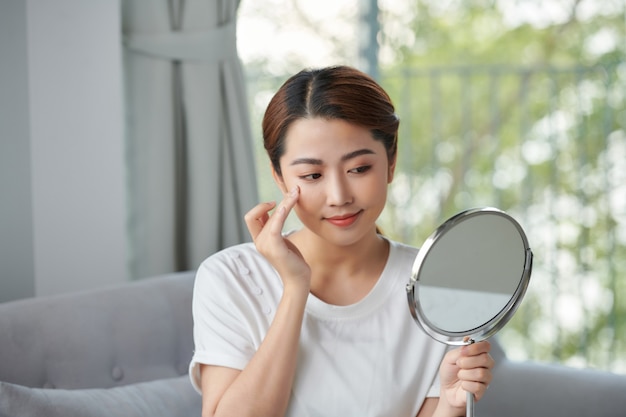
(469, 410)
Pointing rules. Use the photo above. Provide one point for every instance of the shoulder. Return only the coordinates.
(403, 249)
(238, 258)
(401, 256)
(240, 266)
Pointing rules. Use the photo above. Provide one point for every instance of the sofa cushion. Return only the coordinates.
(172, 397)
(101, 338)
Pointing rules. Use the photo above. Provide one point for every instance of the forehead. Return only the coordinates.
(318, 135)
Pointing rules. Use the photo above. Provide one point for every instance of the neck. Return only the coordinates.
(342, 275)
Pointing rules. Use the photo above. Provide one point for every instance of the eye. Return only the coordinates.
(361, 169)
(310, 177)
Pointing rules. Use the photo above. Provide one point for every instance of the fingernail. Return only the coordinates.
(293, 191)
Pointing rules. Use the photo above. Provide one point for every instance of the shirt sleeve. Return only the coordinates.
(219, 328)
(435, 389)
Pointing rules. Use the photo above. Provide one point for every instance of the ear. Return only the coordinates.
(391, 169)
(278, 179)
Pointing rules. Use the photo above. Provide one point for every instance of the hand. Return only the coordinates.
(266, 232)
(466, 369)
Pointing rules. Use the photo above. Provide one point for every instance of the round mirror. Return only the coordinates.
(469, 277)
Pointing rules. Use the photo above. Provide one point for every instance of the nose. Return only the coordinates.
(338, 192)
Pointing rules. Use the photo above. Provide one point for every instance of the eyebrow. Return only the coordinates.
(346, 157)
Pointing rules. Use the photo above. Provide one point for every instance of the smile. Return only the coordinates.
(344, 220)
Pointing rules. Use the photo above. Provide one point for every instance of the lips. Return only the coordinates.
(344, 220)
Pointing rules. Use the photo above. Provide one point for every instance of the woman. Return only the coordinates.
(315, 322)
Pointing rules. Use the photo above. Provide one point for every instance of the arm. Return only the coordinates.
(428, 408)
(464, 369)
(264, 386)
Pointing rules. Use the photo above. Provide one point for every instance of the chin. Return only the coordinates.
(348, 236)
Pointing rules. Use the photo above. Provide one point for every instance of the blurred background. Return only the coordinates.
(515, 104)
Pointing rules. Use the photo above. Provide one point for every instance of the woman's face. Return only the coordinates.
(342, 172)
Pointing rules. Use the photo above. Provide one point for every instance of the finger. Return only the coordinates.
(476, 388)
(476, 348)
(482, 360)
(452, 356)
(475, 380)
(277, 220)
(480, 375)
(258, 217)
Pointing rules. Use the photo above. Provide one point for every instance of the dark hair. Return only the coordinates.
(338, 92)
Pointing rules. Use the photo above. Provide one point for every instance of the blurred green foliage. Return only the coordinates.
(526, 114)
(519, 105)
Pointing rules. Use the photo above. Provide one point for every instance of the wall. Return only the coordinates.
(62, 206)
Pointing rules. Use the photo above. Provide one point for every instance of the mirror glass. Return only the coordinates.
(469, 276)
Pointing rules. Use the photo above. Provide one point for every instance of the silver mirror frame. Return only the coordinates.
(492, 326)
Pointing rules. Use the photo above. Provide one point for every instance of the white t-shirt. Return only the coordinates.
(367, 359)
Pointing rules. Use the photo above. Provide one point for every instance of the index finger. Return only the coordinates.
(277, 221)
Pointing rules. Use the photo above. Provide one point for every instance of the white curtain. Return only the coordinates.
(191, 173)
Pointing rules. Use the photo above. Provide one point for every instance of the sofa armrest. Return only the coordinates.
(534, 389)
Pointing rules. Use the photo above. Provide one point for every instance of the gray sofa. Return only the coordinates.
(124, 351)
(119, 351)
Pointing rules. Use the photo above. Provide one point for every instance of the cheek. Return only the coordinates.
(376, 199)
(377, 188)
(310, 204)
